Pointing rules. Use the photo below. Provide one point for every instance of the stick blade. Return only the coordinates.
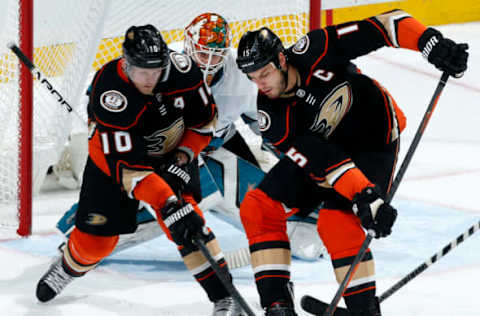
(316, 307)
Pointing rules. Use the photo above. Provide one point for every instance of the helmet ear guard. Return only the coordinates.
(144, 47)
(257, 49)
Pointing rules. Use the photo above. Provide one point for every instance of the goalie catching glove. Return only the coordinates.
(444, 53)
(183, 222)
(373, 212)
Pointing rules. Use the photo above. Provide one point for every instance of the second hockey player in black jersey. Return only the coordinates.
(339, 132)
(150, 115)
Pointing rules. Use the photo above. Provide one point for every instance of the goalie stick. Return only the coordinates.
(41, 78)
(398, 178)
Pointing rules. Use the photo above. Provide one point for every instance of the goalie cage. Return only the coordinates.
(69, 40)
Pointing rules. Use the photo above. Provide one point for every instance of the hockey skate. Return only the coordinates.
(280, 309)
(227, 307)
(53, 282)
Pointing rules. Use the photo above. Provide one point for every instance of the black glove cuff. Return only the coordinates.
(428, 40)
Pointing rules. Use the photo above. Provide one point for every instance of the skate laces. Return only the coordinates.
(57, 278)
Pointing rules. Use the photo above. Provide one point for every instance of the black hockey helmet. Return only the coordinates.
(257, 48)
(144, 47)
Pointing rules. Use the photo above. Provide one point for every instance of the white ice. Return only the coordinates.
(437, 201)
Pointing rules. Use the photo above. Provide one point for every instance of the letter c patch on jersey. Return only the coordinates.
(182, 62)
(113, 101)
(264, 120)
(301, 45)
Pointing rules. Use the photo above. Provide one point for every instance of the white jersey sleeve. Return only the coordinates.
(234, 95)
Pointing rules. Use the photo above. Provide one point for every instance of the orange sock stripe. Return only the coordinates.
(206, 276)
(360, 291)
(272, 276)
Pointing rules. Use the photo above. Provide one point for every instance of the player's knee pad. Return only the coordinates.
(88, 249)
(340, 231)
(263, 218)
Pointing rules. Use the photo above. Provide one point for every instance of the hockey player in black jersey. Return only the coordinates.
(339, 132)
(150, 115)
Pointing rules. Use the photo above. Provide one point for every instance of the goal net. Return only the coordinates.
(71, 40)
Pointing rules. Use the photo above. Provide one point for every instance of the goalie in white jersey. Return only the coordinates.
(207, 42)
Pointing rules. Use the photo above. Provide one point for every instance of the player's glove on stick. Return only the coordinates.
(183, 222)
(444, 53)
(373, 212)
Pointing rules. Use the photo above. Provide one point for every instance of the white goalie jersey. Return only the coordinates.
(235, 96)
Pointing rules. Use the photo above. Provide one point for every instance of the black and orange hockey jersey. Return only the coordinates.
(334, 110)
(131, 133)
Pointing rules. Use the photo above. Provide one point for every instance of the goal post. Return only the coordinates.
(68, 41)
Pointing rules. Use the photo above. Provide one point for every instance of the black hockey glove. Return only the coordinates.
(183, 223)
(374, 213)
(444, 53)
(175, 175)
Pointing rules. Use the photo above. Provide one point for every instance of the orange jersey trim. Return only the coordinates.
(409, 32)
(126, 127)
(153, 190)
(183, 90)
(97, 155)
(120, 71)
(122, 162)
(351, 182)
(319, 58)
(287, 127)
(195, 141)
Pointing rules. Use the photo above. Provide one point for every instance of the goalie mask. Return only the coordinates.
(207, 40)
(257, 49)
(144, 47)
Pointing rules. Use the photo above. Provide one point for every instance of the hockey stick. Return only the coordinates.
(398, 178)
(221, 275)
(314, 306)
(41, 78)
(454, 243)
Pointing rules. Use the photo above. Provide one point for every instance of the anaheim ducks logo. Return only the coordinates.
(301, 45)
(332, 109)
(113, 101)
(96, 219)
(165, 140)
(264, 120)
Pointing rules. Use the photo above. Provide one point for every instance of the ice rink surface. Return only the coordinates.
(437, 201)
